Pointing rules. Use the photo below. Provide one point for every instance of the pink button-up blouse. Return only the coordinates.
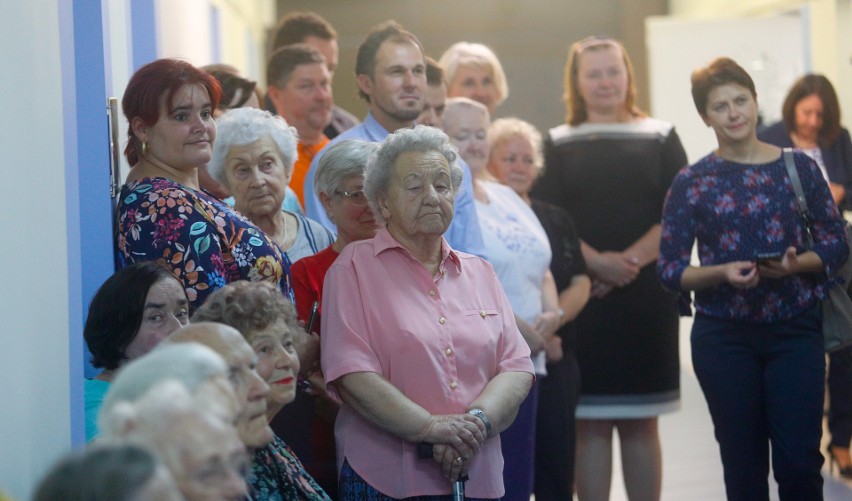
(438, 339)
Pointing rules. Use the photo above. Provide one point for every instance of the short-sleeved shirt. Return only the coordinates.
(516, 245)
(201, 239)
(439, 340)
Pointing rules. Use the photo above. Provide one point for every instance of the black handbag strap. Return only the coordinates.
(802, 202)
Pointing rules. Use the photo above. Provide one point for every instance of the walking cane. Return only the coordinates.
(424, 451)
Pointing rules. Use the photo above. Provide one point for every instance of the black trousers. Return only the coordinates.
(840, 397)
(556, 440)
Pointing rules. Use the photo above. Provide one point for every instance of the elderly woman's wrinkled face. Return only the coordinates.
(468, 131)
(512, 162)
(602, 79)
(257, 177)
(419, 201)
(166, 308)
(250, 389)
(182, 139)
(477, 83)
(213, 461)
(277, 361)
(350, 212)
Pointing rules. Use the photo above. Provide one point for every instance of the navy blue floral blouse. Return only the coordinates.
(736, 211)
(202, 240)
(278, 475)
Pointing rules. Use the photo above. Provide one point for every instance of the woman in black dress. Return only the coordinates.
(610, 166)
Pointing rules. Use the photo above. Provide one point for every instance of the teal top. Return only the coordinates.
(94, 390)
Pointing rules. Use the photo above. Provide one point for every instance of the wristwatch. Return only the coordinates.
(482, 417)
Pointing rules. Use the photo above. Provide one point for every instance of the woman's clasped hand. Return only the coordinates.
(454, 436)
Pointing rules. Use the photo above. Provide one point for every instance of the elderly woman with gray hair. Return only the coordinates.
(308, 424)
(419, 340)
(339, 185)
(178, 401)
(267, 321)
(253, 158)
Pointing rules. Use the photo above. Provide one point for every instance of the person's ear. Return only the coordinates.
(274, 96)
(365, 83)
(383, 207)
(140, 130)
(288, 174)
(325, 200)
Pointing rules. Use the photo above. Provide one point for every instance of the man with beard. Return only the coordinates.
(300, 90)
(391, 72)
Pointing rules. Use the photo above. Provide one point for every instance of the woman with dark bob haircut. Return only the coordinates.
(757, 344)
(163, 215)
(135, 309)
(812, 124)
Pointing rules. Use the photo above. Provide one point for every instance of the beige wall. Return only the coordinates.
(530, 38)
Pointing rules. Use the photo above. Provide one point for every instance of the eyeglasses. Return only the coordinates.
(356, 198)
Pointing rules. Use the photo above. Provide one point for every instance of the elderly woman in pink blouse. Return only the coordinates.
(419, 340)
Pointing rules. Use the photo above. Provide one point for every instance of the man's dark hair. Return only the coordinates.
(297, 26)
(284, 61)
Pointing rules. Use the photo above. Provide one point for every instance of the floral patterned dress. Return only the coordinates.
(204, 242)
(277, 474)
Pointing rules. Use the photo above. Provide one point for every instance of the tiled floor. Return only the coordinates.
(691, 466)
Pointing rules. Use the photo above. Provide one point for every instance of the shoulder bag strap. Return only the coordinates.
(800, 193)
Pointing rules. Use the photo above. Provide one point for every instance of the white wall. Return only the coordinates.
(34, 368)
(184, 29)
(829, 39)
(119, 64)
(770, 48)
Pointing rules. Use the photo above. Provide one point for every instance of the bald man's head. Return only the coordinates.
(252, 391)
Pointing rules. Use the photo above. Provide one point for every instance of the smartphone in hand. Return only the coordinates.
(763, 257)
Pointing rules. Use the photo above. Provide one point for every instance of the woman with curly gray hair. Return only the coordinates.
(427, 359)
(253, 158)
(268, 323)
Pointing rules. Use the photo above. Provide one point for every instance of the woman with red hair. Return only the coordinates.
(163, 214)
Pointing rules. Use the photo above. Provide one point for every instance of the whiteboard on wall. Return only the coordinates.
(772, 49)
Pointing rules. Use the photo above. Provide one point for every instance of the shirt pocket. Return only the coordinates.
(484, 325)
